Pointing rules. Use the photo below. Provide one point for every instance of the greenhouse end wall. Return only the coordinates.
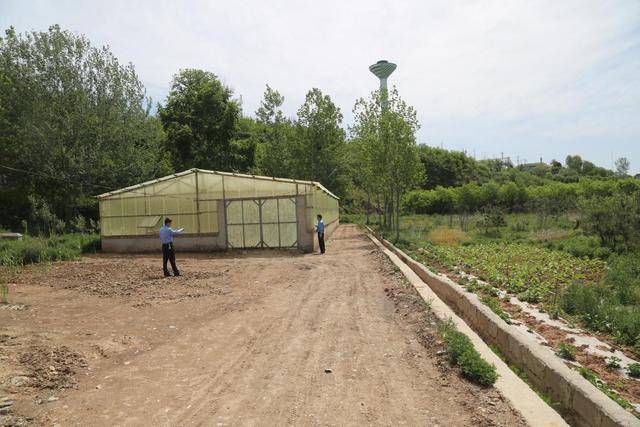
(203, 202)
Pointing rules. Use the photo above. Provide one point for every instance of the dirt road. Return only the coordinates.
(241, 339)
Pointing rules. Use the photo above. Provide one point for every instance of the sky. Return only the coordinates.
(530, 79)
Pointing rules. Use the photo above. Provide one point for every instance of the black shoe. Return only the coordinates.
(167, 275)
(177, 274)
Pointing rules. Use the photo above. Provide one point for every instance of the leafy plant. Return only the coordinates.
(462, 353)
(494, 304)
(613, 362)
(566, 351)
(590, 376)
(634, 370)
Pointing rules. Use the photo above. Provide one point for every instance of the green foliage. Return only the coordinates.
(612, 306)
(590, 376)
(461, 352)
(518, 268)
(319, 145)
(634, 370)
(566, 351)
(580, 246)
(614, 219)
(70, 111)
(385, 159)
(613, 362)
(200, 118)
(494, 304)
(33, 250)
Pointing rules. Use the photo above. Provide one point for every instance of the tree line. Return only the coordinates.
(75, 122)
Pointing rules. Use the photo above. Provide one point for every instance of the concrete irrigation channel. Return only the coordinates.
(582, 403)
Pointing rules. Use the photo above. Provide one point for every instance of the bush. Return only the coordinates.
(448, 236)
(634, 370)
(494, 304)
(581, 246)
(566, 351)
(33, 250)
(474, 367)
(461, 352)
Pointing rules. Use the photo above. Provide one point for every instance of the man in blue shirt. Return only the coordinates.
(168, 252)
(320, 230)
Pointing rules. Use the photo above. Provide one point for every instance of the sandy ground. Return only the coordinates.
(240, 339)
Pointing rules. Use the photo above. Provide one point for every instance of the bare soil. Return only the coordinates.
(243, 338)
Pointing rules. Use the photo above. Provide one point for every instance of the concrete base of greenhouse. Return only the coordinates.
(307, 242)
(152, 244)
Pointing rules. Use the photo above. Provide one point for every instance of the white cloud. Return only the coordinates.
(513, 74)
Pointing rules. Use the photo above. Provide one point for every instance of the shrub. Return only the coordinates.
(566, 351)
(461, 352)
(33, 250)
(581, 246)
(474, 367)
(494, 304)
(634, 370)
(448, 236)
(613, 362)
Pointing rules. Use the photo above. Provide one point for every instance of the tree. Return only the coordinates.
(614, 219)
(200, 119)
(446, 168)
(388, 150)
(275, 137)
(574, 163)
(76, 119)
(622, 166)
(319, 142)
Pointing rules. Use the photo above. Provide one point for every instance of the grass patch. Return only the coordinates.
(634, 370)
(591, 376)
(448, 236)
(494, 304)
(462, 353)
(32, 250)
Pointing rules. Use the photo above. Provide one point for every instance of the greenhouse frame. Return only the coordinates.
(218, 211)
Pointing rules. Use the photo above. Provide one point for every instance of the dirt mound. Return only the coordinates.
(51, 367)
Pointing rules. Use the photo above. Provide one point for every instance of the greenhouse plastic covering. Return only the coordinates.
(265, 214)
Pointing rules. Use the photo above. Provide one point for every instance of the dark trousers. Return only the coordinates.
(321, 242)
(169, 254)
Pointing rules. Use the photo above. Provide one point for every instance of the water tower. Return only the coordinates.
(383, 69)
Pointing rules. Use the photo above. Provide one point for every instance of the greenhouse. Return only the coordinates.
(218, 210)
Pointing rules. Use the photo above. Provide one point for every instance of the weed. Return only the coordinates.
(494, 304)
(566, 351)
(462, 353)
(634, 370)
(613, 362)
(590, 376)
(448, 236)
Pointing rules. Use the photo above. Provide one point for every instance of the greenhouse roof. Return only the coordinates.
(193, 170)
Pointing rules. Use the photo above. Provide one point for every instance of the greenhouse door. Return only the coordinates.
(262, 223)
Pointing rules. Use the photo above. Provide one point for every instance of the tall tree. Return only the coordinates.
(622, 166)
(390, 158)
(75, 118)
(274, 132)
(320, 141)
(200, 118)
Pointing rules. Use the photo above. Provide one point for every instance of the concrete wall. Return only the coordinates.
(584, 403)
